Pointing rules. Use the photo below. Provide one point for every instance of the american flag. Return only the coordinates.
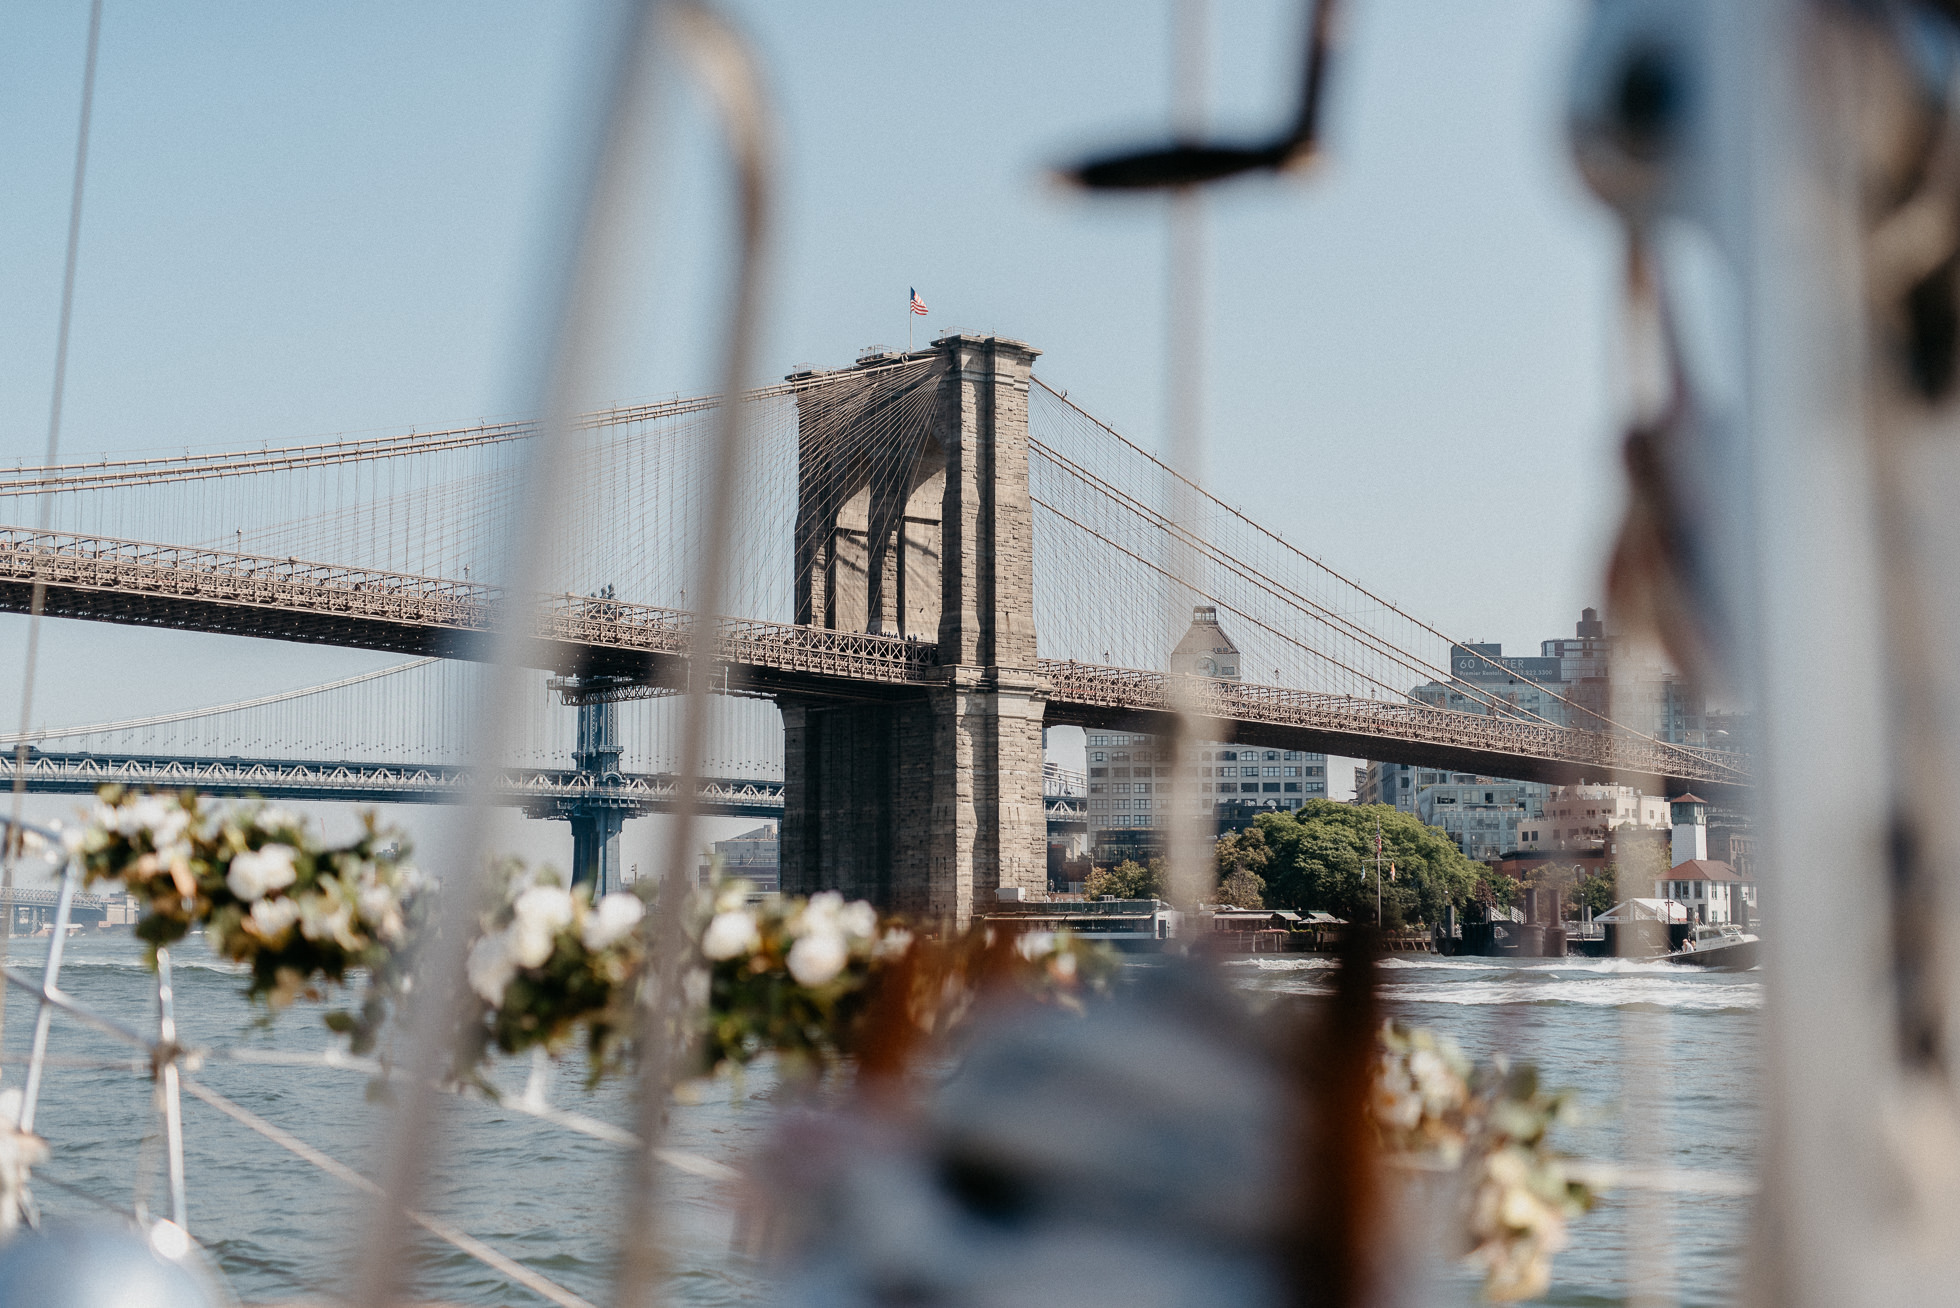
(918, 305)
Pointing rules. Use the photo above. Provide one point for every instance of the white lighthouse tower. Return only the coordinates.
(1690, 829)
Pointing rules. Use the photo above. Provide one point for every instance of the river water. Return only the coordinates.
(1682, 1040)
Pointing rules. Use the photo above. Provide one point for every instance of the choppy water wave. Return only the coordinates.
(1591, 982)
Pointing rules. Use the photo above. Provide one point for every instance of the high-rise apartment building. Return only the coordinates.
(1132, 778)
(1572, 681)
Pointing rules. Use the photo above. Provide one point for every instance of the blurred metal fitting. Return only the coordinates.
(84, 1266)
(1632, 100)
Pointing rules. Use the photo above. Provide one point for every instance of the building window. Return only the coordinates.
(1269, 772)
(1293, 787)
(1228, 772)
(1207, 787)
(1142, 805)
(1099, 757)
(1272, 755)
(1122, 788)
(1292, 753)
(1206, 756)
(1143, 788)
(1097, 787)
(1290, 772)
(1098, 772)
(1272, 787)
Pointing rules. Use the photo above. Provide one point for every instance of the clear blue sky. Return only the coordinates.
(317, 218)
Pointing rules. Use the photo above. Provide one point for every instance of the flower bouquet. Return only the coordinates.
(818, 979)
(268, 893)
(1436, 1110)
(551, 960)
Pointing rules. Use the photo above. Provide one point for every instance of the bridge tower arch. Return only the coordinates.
(926, 804)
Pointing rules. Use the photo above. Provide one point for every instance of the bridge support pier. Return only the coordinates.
(596, 829)
(925, 806)
(596, 821)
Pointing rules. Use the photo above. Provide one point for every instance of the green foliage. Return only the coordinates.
(1242, 890)
(1242, 859)
(1127, 880)
(1598, 891)
(1323, 857)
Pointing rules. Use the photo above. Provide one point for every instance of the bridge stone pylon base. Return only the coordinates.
(930, 804)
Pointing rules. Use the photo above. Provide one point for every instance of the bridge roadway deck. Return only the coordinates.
(188, 588)
(540, 791)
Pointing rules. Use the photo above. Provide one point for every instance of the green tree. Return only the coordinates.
(1127, 880)
(1636, 866)
(1323, 857)
(1242, 857)
(1242, 889)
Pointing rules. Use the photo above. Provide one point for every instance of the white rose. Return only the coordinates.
(1034, 945)
(319, 923)
(730, 935)
(820, 915)
(254, 872)
(541, 912)
(146, 814)
(612, 919)
(491, 967)
(273, 819)
(272, 917)
(380, 911)
(859, 920)
(818, 957)
(695, 987)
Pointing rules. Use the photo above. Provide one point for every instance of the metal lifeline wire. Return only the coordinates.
(9, 853)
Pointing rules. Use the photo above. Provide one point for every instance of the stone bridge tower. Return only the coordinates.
(926, 803)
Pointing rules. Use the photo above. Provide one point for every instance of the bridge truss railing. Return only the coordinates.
(130, 570)
(1131, 689)
(138, 568)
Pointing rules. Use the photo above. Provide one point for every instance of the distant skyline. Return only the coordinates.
(305, 220)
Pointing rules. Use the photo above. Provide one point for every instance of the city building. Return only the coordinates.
(1572, 681)
(1386, 783)
(1483, 817)
(1575, 817)
(753, 856)
(1711, 891)
(1131, 780)
(1484, 681)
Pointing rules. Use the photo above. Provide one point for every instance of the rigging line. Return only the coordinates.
(186, 715)
(45, 507)
(475, 1248)
(1287, 545)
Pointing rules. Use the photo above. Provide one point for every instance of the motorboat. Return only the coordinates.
(1725, 948)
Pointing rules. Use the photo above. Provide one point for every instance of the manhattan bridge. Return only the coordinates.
(939, 555)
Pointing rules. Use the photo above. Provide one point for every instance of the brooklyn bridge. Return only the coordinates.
(939, 555)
